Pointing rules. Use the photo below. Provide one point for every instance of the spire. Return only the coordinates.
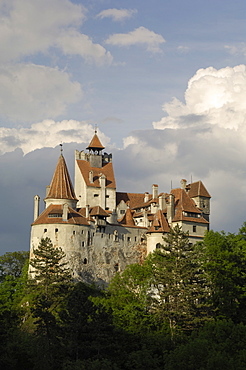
(61, 186)
(95, 143)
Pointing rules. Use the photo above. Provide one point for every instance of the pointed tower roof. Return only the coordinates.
(95, 143)
(61, 186)
(127, 219)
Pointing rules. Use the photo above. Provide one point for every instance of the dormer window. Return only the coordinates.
(54, 215)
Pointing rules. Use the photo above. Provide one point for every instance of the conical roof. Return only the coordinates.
(61, 186)
(95, 143)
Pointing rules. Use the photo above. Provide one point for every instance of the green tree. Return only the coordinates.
(48, 288)
(179, 285)
(12, 263)
(127, 298)
(225, 263)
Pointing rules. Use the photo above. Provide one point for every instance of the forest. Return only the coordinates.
(183, 308)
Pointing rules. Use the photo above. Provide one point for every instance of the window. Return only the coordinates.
(194, 229)
(74, 232)
(82, 231)
(122, 211)
(135, 238)
(116, 267)
(96, 195)
(54, 215)
(45, 230)
(158, 246)
(56, 230)
(85, 261)
(128, 238)
(82, 244)
(107, 196)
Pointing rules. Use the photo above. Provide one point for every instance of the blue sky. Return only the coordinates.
(165, 81)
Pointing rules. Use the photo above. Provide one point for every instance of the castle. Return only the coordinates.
(102, 230)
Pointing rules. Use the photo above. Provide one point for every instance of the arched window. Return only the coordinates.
(85, 261)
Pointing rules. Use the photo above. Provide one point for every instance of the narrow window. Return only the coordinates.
(82, 244)
(128, 239)
(74, 232)
(116, 267)
(85, 261)
(56, 230)
(194, 228)
(45, 230)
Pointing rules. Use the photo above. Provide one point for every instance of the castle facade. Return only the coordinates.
(101, 230)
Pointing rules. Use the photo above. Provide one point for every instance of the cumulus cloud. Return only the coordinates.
(213, 97)
(203, 138)
(141, 36)
(28, 91)
(28, 27)
(47, 133)
(117, 14)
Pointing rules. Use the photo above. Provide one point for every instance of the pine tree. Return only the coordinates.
(48, 288)
(179, 287)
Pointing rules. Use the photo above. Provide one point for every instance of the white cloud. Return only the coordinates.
(31, 91)
(203, 138)
(117, 14)
(74, 42)
(213, 97)
(239, 49)
(47, 133)
(141, 36)
(28, 27)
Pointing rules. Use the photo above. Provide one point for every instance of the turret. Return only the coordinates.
(61, 188)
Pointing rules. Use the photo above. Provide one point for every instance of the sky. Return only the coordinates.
(164, 81)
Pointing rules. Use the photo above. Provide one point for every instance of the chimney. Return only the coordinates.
(146, 197)
(91, 176)
(36, 207)
(65, 212)
(154, 191)
(87, 211)
(162, 202)
(170, 209)
(183, 183)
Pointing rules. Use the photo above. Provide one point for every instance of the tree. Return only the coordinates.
(225, 263)
(12, 263)
(48, 289)
(179, 285)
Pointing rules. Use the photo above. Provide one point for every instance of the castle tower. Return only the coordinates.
(61, 189)
(94, 177)
(60, 221)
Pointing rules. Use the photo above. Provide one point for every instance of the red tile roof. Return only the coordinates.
(131, 199)
(73, 216)
(61, 186)
(106, 170)
(95, 143)
(159, 224)
(98, 211)
(127, 219)
(183, 203)
(197, 189)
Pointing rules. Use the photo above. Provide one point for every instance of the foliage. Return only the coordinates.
(225, 263)
(12, 263)
(50, 322)
(179, 285)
